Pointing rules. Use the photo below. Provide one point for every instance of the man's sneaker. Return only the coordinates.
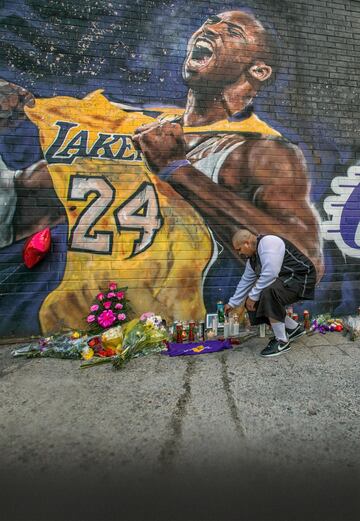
(275, 348)
(295, 333)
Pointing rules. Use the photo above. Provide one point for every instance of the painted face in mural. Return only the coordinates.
(227, 48)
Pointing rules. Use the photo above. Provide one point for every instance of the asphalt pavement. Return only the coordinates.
(211, 437)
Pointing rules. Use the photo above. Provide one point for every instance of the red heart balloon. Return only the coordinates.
(36, 247)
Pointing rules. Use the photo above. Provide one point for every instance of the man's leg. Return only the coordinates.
(293, 329)
(279, 343)
(272, 305)
(290, 323)
(278, 329)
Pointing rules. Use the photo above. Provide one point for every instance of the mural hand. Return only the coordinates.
(12, 102)
(160, 143)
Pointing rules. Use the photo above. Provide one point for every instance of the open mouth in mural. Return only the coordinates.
(201, 54)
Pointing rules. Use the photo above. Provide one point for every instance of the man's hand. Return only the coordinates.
(227, 309)
(250, 304)
(12, 102)
(161, 144)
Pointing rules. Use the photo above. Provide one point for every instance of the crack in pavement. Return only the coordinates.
(230, 396)
(171, 446)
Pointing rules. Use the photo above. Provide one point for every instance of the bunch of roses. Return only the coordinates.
(109, 308)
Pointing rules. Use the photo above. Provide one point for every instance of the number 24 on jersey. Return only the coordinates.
(139, 213)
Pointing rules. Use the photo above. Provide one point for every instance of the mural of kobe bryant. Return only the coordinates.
(235, 169)
(217, 155)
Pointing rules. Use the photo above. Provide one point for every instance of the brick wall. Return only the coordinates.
(60, 53)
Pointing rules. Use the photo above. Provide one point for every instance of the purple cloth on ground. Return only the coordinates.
(194, 348)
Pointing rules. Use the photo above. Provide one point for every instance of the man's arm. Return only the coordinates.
(271, 251)
(246, 282)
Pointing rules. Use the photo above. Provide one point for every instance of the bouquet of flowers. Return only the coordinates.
(109, 338)
(352, 326)
(68, 345)
(140, 337)
(73, 345)
(324, 323)
(109, 308)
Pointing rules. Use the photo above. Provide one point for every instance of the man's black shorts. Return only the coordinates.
(273, 300)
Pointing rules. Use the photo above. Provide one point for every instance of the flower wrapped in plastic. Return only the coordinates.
(66, 345)
(141, 337)
(352, 326)
(113, 338)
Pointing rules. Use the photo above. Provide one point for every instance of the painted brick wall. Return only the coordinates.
(111, 217)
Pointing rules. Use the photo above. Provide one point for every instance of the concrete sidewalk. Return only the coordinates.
(223, 436)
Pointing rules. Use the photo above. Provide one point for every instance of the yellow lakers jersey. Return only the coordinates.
(124, 223)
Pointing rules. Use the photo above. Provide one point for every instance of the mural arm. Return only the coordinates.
(277, 172)
(21, 190)
(35, 184)
(272, 172)
(279, 203)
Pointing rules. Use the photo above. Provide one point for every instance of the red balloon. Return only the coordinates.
(36, 247)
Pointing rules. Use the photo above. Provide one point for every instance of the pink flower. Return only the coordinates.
(106, 318)
(112, 286)
(111, 294)
(121, 316)
(120, 294)
(146, 315)
(95, 307)
(119, 306)
(100, 296)
(90, 318)
(107, 304)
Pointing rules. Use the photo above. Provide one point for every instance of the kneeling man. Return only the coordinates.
(276, 274)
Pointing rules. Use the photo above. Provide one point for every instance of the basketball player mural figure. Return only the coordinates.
(213, 167)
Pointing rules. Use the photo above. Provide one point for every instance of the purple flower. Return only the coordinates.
(107, 304)
(106, 318)
(118, 306)
(112, 286)
(121, 316)
(111, 294)
(90, 318)
(95, 307)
